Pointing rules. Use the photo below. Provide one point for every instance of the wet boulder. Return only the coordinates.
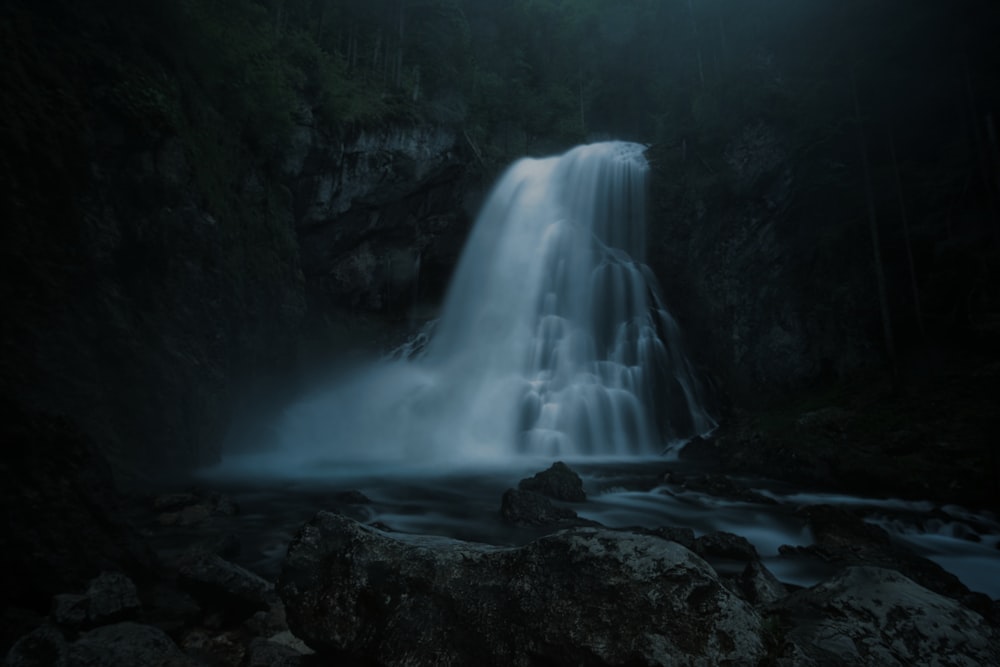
(44, 646)
(720, 544)
(265, 653)
(584, 596)
(719, 486)
(875, 616)
(127, 645)
(219, 584)
(845, 538)
(681, 535)
(110, 597)
(527, 508)
(559, 482)
(759, 586)
(113, 597)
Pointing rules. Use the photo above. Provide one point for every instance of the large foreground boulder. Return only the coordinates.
(875, 616)
(585, 596)
(127, 645)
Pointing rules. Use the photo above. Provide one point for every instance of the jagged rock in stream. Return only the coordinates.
(716, 485)
(843, 537)
(558, 482)
(527, 508)
(759, 586)
(873, 616)
(720, 544)
(754, 582)
(586, 596)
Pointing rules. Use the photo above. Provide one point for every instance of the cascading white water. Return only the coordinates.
(553, 340)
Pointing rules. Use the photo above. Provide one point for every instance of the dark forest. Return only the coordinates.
(296, 291)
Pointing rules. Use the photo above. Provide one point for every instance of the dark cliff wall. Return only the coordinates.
(161, 268)
(137, 300)
(774, 290)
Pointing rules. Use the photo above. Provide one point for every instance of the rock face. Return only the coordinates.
(757, 291)
(111, 596)
(527, 508)
(127, 645)
(843, 537)
(873, 616)
(379, 215)
(219, 583)
(585, 596)
(161, 262)
(559, 482)
(142, 305)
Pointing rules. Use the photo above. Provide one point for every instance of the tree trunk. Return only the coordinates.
(697, 46)
(320, 21)
(906, 238)
(401, 34)
(723, 48)
(279, 18)
(352, 49)
(981, 153)
(890, 347)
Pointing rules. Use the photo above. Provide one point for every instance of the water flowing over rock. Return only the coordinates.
(553, 340)
(586, 596)
(553, 305)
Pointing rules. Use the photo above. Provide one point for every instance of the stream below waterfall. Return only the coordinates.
(464, 502)
(554, 343)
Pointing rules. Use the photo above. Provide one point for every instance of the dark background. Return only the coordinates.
(207, 203)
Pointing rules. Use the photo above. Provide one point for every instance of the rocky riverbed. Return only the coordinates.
(659, 563)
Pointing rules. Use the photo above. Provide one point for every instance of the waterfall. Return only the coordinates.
(553, 339)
